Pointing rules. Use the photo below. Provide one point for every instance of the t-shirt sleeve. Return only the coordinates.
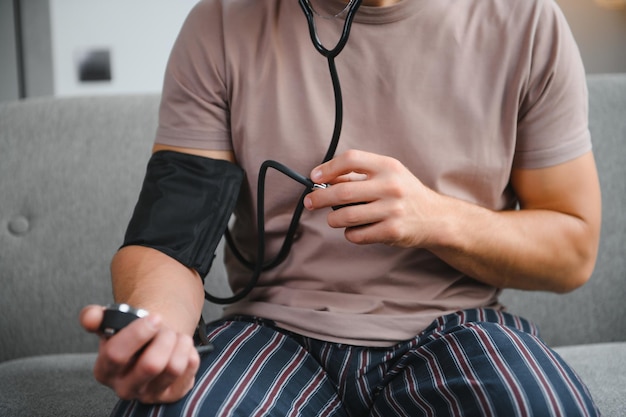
(553, 118)
(194, 109)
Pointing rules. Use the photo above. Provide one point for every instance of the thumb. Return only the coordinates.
(91, 317)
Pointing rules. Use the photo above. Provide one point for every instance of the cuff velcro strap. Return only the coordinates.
(184, 207)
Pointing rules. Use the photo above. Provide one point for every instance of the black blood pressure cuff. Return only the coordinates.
(184, 207)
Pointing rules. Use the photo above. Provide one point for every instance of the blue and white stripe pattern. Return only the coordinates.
(479, 362)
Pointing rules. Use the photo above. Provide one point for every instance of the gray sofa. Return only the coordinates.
(70, 171)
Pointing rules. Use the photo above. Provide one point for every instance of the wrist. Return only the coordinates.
(447, 224)
(147, 279)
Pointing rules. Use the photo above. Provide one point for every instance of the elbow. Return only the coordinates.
(583, 255)
(573, 282)
(580, 271)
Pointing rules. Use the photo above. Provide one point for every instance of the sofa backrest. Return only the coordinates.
(70, 173)
(595, 312)
(71, 170)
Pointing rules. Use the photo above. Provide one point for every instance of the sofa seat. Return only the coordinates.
(601, 366)
(53, 385)
(27, 386)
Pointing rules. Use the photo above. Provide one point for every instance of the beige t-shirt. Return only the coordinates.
(458, 91)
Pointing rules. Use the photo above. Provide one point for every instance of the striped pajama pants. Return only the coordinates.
(479, 362)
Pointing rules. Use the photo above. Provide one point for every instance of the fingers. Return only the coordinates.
(352, 162)
(148, 362)
(172, 376)
(340, 195)
(356, 177)
(145, 360)
(398, 206)
(119, 353)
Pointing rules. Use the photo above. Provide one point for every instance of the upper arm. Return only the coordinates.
(207, 153)
(570, 188)
(194, 109)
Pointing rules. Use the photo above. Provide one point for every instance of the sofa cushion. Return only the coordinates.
(53, 385)
(63, 385)
(601, 367)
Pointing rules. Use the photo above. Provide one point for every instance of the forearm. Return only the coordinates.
(148, 279)
(525, 249)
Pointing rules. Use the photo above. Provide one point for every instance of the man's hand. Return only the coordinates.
(145, 361)
(399, 209)
(550, 244)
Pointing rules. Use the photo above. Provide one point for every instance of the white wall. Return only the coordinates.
(139, 34)
(9, 81)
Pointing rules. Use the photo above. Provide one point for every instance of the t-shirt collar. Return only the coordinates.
(369, 14)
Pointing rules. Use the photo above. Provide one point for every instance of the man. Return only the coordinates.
(456, 113)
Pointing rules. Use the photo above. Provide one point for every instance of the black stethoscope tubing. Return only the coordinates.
(259, 266)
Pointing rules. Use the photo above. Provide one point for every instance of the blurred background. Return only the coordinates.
(77, 47)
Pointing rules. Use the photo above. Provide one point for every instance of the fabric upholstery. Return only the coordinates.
(54, 385)
(70, 172)
(601, 366)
